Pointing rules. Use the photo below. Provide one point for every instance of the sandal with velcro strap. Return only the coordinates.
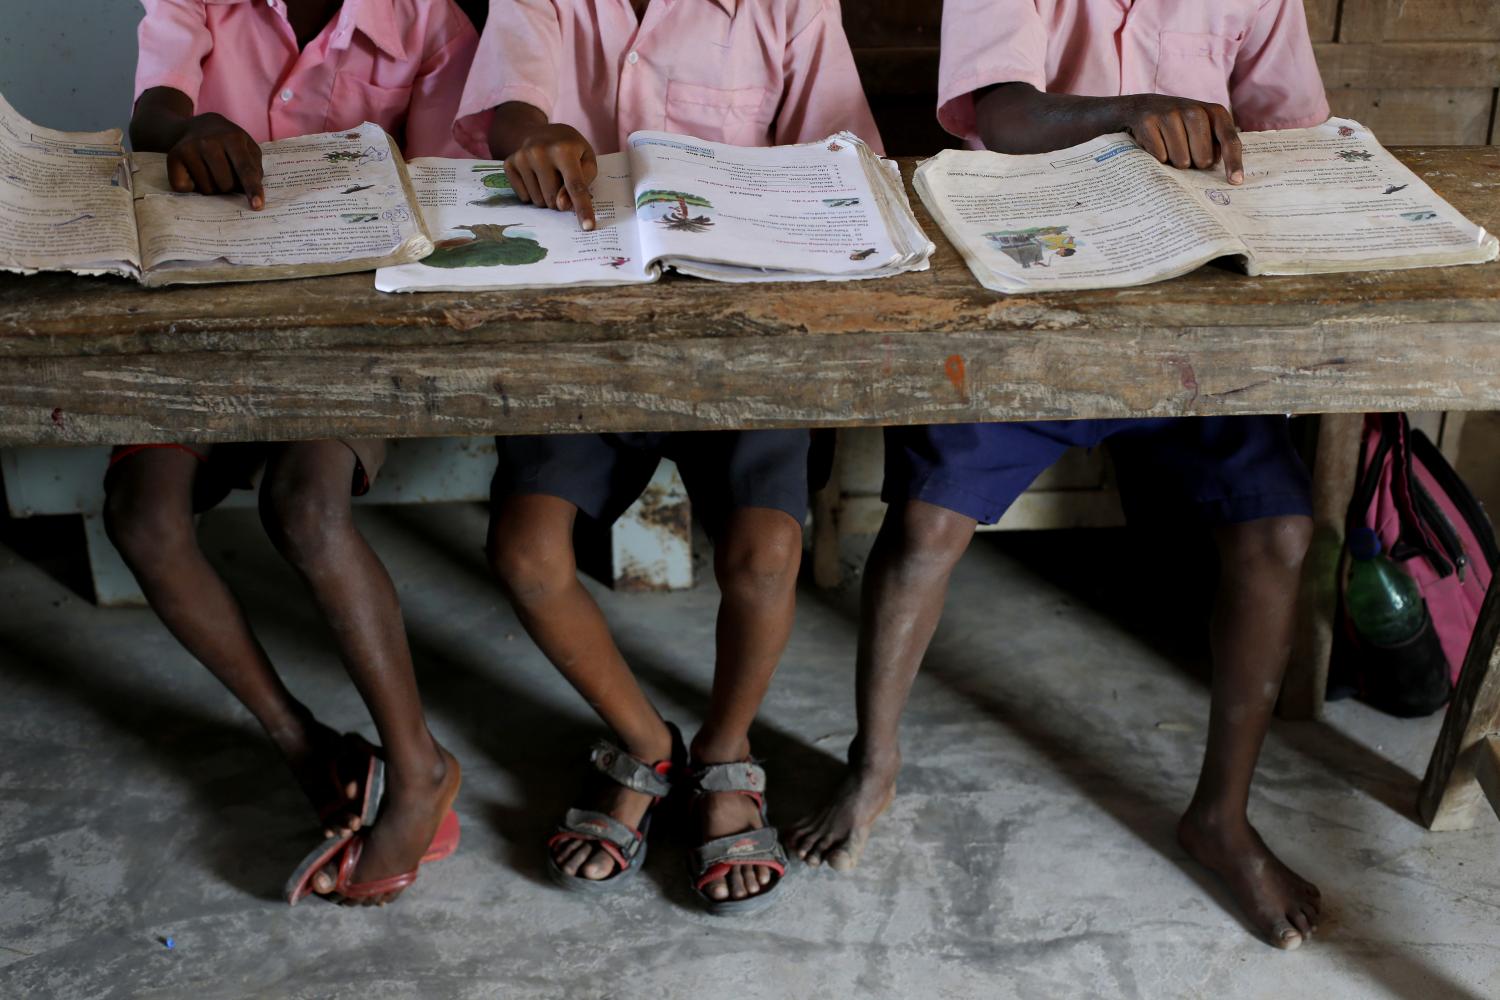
(758, 848)
(624, 843)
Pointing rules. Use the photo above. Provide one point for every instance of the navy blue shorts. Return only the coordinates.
(1214, 470)
(603, 474)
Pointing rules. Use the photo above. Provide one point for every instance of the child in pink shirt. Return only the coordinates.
(569, 79)
(1027, 76)
(215, 78)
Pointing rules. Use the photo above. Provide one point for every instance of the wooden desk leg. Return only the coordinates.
(1334, 466)
(1487, 770)
(1450, 795)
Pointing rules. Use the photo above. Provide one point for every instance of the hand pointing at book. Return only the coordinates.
(216, 156)
(554, 167)
(1184, 133)
(547, 164)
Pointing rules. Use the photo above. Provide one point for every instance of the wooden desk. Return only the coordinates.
(86, 361)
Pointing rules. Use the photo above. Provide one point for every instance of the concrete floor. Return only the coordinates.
(1052, 737)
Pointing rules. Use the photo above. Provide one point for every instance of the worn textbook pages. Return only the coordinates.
(75, 201)
(1105, 213)
(830, 210)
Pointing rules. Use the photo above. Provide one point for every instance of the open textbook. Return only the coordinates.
(829, 210)
(75, 201)
(1106, 213)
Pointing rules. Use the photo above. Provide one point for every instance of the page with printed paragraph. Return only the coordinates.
(1331, 198)
(65, 201)
(1102, 214)
(487, 239)
(759, 213)
(335, 202)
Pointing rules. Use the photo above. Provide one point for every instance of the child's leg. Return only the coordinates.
(306, 509)
(1245, 479)
(530, 548)
(149, 517)
(756, 558)
(940, 483)
(905, 586)
(1254, 616)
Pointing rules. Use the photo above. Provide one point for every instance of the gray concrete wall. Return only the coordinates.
(69, 64)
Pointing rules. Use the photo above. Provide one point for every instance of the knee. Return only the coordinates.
(921, 538)
(760, 559)
(306, 519)
(1277, 543)
(146, 532)
(529, 565)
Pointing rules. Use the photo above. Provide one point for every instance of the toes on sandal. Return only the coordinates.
(355, 750)
(346, 851)
(624, 843)
(753, 848)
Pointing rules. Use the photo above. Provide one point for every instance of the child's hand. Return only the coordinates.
(1185, 133)
(554, 166)
(216, 156)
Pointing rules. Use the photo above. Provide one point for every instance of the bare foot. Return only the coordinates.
(329, 773)
(724, 813)
(1281, 904)
(838, 832)
(587, 859)
(400, 836)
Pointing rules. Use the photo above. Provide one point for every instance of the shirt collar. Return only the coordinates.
(376, 19)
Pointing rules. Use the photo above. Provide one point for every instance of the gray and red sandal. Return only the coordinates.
(712, 861)
(626, 844)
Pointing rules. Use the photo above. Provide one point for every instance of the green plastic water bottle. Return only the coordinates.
(1384, 603)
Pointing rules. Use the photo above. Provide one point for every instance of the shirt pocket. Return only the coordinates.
(1195, 65)
(354, 100)
(741, 117)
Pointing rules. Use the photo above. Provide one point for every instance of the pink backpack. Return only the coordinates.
(1431, 526)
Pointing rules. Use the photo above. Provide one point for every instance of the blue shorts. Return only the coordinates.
(603, 474)
(1214, 470)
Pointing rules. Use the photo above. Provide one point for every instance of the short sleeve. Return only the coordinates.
(439, 86)
(821, 92)
(517, 60)
(986, 42)
(173, 41)
(1275, 82)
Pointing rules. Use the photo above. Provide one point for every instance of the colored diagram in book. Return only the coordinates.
(677, 211)
(1029, 247)
(496, 186)
(367, 155)
(487, 246)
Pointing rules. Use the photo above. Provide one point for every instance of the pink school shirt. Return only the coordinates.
(747, 72)
(398, 63)
(1252, 56)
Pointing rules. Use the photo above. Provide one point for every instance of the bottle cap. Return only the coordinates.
(1364, 543)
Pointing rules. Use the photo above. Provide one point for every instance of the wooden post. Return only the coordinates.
(1450, 796)
(1487, 770)
(1334, 467)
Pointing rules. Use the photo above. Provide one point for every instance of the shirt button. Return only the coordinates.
(633, 58)
(287, 95)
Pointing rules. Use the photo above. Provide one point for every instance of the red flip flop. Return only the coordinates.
(369, 784)
(348, 850)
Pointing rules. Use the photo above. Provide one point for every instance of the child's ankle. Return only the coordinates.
(874, 756)
(712, 749)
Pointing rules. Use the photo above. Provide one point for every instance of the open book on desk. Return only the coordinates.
(825, 211)
(1106, 213)
(76, 201)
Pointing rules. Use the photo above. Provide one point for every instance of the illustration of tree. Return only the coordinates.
(487, 247)
(679, 219)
